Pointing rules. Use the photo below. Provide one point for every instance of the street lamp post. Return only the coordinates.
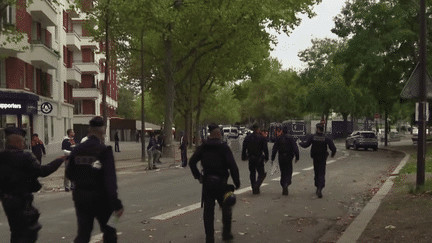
(422, 99)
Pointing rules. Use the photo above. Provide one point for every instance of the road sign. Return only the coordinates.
(425, 111)
(377, 116)
(411, 89)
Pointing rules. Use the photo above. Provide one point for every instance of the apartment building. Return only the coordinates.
(52, 79)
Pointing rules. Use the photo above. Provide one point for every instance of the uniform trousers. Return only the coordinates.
(286, 168)
(116, 146)
(22, 217)
(214, 189)
(319, 163)
(88, 206)
(183, 157)
(256, 164)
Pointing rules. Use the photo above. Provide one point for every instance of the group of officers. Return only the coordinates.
(218, 163)
(90, 166)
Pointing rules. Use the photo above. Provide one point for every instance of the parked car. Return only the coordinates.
(362, 139)
(231, 132)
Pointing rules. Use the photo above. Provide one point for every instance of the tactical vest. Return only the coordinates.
(88, 166)
(319, 145)
(254, 147)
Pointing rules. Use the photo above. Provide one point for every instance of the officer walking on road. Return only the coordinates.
(319, 154)
(287, 148)
(68, 145)
(217, 161)
(91, 167)
(19, 171)
(255, 148)
(183, 148)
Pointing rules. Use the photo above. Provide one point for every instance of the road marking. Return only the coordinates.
(278, 178)
(331, 161)
(308, 168)
(192, 207)
(99, 238)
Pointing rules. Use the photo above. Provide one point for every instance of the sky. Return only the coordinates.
(300, 39)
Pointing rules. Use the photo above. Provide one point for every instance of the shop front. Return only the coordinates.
(17, 109)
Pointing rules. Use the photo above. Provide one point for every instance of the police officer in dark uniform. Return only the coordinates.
(19, 171)
(319, 154)
(91, 166)
(255, 148)
(287, 148)
(217, 161)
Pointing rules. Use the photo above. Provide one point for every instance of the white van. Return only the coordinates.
(231, 132)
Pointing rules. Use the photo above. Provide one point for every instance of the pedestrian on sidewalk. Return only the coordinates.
(152, 151)
(319, 153)
(218, 162)
(116, 142)
(38, 148)
(160, 141)
(19, 172)
(256, 150)
(183, 149)
(287, 148)
(68, 145)
(92, 168)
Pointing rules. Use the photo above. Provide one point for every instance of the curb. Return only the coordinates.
(356, 228)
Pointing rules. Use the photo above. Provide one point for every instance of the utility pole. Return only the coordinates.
(143, 147)
(421, 149)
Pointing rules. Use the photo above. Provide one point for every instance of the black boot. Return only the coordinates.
(319, 192)
(226, 221)
(255, 189)
(210, 239)
(285, 191)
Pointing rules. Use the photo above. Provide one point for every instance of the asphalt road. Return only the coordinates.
(163, 205)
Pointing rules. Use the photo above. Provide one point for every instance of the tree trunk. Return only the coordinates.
(197, 121)
(104, 84)
(345, 125)
(143, 146)
(385, 127)
(169, 98)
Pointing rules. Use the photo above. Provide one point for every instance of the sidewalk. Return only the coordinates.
(128, 159)
(394, 215)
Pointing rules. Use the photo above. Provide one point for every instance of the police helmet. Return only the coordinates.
(229, 199)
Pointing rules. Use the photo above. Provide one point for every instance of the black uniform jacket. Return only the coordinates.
(255, 145)
(216, 159)
(91, 166)
(286, 146)
(319, 143)
(19, 171)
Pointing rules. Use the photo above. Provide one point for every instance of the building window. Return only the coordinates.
(46, 140)
(77, 107)
(52, 127)
(2, 73)
(8, 16)
(65, 125)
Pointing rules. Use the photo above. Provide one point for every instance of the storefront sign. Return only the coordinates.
(18, 107)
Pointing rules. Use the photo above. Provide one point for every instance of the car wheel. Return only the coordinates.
(375, 148)
(347, 145)
(355, 146)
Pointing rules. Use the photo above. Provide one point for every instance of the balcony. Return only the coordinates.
(89, 42)
(12, 48)
(73, 41)
(87, 67)
(74, 75)
(43, 56)
(44, 11)
(86, 93)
